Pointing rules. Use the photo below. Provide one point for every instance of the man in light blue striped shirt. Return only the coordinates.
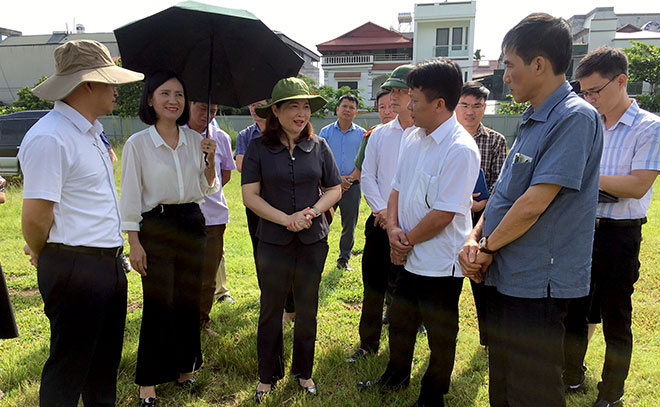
(630, 164)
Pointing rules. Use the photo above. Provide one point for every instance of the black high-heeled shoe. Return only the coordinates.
(259, 395)
(311, 390)
(149, 402)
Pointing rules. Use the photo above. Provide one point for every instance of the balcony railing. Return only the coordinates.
(347, 59)
(450, 51)
(392, 57)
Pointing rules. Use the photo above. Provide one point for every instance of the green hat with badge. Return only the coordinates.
(291, 89)
(398, 78)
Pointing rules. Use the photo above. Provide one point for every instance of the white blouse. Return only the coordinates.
(152, 173)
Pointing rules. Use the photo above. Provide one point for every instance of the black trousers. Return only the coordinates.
(433, 301)
(480, 294)
(85, 300)
(253, 223)
(174, 241)
(8, 327)
(525, 353)
(377, 271)
(294, 265)
(614, 271)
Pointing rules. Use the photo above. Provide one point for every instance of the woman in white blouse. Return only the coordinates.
(164, 177)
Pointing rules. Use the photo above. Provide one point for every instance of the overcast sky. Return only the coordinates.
(308, 23)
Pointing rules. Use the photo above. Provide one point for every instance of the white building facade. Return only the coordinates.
(445, 29)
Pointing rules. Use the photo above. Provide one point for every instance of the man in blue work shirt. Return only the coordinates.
(533, 242)
(344, 138)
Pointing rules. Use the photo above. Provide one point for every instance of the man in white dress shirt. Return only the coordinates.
(378, 168)
(428, 218)
(71, 224)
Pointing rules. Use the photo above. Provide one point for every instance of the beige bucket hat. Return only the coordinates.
(81, 61)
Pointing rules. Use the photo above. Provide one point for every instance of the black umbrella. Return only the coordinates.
(225, 56)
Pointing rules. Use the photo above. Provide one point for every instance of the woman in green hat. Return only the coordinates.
(283, 173)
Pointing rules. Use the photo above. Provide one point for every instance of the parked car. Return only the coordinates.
(13, 127)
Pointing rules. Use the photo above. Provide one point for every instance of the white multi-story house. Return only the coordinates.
(602, 26)
(362, 58)
(445, 29)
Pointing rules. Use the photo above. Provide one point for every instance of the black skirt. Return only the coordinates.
(8, 327)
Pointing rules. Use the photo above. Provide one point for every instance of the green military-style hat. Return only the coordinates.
(291, 89)
(398, 78)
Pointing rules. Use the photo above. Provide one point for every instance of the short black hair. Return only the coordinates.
(540, 34)
(439, 78)
(151, 83)
(476, 89)
(606, 61)
(349, 96)
(379, 95)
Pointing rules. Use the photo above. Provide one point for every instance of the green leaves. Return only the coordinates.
(27, 101)
(644, 63)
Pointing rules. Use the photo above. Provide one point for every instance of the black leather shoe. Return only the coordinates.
(576, 388)
(368, 384)
(605, 403)
(358, 355)
(226, 298)
(186, 384)
(149, 402)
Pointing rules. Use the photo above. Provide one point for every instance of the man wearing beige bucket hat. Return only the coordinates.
(71, 225)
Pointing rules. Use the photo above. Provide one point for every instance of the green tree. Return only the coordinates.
(511, 107)
(128, 101)
(477, 55)
(650, 102)
(27, 101)
(332, 95)
(644, 63)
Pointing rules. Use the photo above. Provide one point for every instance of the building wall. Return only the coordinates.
(429, 17)
(364, 82)
(24, 65)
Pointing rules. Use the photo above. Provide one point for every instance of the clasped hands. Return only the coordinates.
(474, 263)
(300, 220)
(399, 246)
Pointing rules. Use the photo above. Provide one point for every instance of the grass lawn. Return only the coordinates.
(229, 374)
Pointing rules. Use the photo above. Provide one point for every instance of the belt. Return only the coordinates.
(91, 251)
(171, 209)
(619, 223)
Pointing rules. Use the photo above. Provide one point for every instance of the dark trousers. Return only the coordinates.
(253, 223)
(85, 300)
(294, 265)
(8, 327)
(174, 241)
(525, 353)
(212, 257)
(480, 294)
(614, 271)
(349, 208)
(376, 273)
(433, 301)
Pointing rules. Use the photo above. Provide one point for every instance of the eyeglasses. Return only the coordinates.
(475, 106)
(595, 94)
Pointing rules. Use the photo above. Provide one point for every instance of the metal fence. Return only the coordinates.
(118, 129)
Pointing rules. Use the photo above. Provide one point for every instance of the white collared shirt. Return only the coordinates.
(64, 161)
(152, 173)
(379, 165)
(633, 143)
(437, 172)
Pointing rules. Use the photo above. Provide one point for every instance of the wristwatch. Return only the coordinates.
(483, 242)
(316, 211)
